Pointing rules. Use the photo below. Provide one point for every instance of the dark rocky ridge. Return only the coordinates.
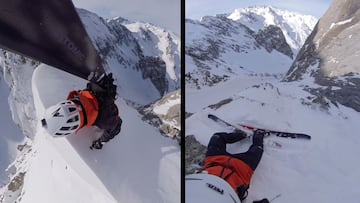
(272, 38)
(330, 56)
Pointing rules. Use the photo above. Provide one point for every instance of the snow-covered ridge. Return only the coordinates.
(155, 41)
(66, 170)
(295, 26)
(248, 41)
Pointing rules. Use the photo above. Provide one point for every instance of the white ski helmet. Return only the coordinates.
(62, 119)
(204, 188)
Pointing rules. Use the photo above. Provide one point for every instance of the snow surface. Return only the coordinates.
(341, 23)
(138, 165)
(323, 169)
(163, 109)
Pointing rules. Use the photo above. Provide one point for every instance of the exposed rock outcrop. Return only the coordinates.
(330, 56)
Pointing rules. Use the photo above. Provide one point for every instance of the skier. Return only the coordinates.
(55, 35)
(226, 176)
(93, 106)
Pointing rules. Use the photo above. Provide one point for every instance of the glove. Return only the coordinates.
(240, 133)
(97, 144)
(104, 89)
(262, 201)
(258, 137)
(242, 191)
(107, 83)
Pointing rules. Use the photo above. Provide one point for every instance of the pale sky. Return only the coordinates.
(195, 9)
(165, 13)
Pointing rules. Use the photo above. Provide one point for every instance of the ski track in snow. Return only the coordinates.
(320, 170)
(138, 165)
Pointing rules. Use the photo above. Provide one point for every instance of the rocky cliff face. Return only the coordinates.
(165, 114)
(154, 68)
(330, 55)
(272, 38)
(143, 49)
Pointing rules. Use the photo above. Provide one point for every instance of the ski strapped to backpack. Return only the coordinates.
(252, 128)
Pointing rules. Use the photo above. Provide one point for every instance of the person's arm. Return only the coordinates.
(231, 137)
(110, 134)
(107, 135)
(105, 89)
(108, 120)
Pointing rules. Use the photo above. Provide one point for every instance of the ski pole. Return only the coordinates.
(277, 196)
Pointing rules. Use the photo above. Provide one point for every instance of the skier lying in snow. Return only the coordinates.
(235, 169)
(93, 106)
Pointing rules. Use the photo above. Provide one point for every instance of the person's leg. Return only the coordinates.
(217, 144)
(253, 156)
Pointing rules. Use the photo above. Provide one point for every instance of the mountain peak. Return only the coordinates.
(264, 10)
(254, 9)
(225, 45)
(294, 25)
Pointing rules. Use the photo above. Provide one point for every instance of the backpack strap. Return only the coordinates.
(224, 167)
(242, 191)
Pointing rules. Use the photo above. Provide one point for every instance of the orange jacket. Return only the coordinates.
(88, 102)
(233, 170)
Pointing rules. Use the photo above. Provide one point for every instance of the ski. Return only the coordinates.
(251, 128)
(225, 124)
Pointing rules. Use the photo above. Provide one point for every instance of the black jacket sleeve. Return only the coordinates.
(110, 134)
(109, 120)
(108, 117)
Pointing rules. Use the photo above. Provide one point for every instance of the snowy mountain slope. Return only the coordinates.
(245, 42)
(17, 111)
(144, 58)
(328, 62)
(17, 71)
(301, 171)
(122, 55)
(319, 170)
(120, 172)
(168, 46)
(11, 135)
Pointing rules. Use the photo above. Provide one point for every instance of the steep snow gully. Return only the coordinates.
(320, 170)
(138, 165)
